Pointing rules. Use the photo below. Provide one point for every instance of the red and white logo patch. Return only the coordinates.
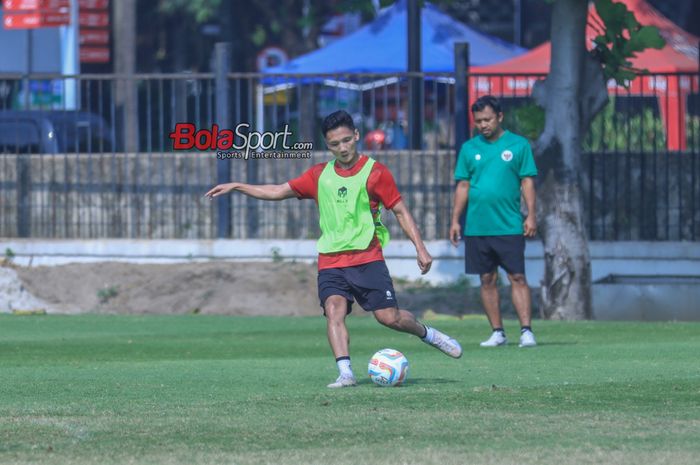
(507, 155)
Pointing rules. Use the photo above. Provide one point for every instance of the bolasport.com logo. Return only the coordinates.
(239, 143)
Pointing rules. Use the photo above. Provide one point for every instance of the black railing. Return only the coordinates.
(93, 157)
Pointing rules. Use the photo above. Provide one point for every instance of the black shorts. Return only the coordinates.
(484, 254)
(369, 284)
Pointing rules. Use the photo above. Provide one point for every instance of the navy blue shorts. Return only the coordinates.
(369, 284)
(484, 254)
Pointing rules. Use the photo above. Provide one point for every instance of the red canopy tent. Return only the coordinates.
(515, 77)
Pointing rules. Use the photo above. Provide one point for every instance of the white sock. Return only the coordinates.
(429, 332)
(344, 367)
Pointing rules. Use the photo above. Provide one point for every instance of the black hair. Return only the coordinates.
(487, 101)
(335, 120)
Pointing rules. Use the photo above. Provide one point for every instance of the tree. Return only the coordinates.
(250, 26)
(171, 38)
(573, 93)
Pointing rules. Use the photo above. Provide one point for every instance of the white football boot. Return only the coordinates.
(343, 381)
(445, 343)
(527, 339)
(497, 339)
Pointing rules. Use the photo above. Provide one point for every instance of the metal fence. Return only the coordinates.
(643, 161)
(91, 156)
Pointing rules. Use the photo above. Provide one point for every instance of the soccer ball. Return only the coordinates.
(388, 367)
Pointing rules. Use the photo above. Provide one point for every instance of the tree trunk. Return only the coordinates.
(566, 289)
(572, 93)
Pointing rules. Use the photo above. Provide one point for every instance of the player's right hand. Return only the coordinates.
(425, 260)
(455, 234)
(220, 189)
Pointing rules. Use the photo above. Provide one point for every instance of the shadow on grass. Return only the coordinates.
(412, 381)
(555, 343)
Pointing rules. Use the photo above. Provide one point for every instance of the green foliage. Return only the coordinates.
(276, 255)
(259, 36)
(642, 131)
(204, 389)
(366, 7)
(693, 125)
(619, 39)
(107, 293)
(461, 283)
(419, 285)
(200, 10)
(9, 257)
(526, 120)
(638, 131)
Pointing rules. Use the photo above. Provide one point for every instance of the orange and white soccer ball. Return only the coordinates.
(388, 367)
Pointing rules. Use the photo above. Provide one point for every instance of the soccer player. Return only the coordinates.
(350, 191)
(492, 171)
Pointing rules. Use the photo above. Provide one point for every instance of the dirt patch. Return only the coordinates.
(218, 287)
(207, 288)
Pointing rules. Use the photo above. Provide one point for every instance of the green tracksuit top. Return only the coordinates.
(494, 170)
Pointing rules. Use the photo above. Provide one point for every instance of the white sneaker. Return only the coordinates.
(343, 381)
(497, 339)
(445, 343)
(527, 339)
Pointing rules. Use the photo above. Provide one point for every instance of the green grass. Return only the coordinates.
(210, 389)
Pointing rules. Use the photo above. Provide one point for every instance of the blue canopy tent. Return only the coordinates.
(381, 46)
(379, 50)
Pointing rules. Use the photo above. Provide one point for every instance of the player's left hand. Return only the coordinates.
(425, 261)
(220, 190)
(530, 226)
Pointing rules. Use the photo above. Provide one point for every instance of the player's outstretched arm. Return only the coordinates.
(261, 191)
(408, 225)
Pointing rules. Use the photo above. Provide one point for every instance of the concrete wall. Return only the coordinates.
(635, 258)
(642, 300)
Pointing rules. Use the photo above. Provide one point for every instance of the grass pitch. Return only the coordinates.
(228, 390)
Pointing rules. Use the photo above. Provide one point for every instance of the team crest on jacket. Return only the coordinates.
(507, 155)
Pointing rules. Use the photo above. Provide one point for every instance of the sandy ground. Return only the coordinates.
(207, 288)
(232, 288)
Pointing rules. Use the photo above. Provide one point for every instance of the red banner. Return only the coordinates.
(35, 20)
(93, 4)
(29, 5)
(94, 55)
(94, 37)
(93, 19)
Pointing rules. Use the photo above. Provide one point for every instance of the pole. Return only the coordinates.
(518, 22)
(30, 68)
(126, 97)
(415, 97)
(461, 109)
(222, 60)
(24, 178)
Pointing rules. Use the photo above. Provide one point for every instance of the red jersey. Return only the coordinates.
(381, 188)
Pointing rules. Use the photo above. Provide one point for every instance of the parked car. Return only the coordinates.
(54, 132)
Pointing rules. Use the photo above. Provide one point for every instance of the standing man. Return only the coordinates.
(350, 191)
(493, 170)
